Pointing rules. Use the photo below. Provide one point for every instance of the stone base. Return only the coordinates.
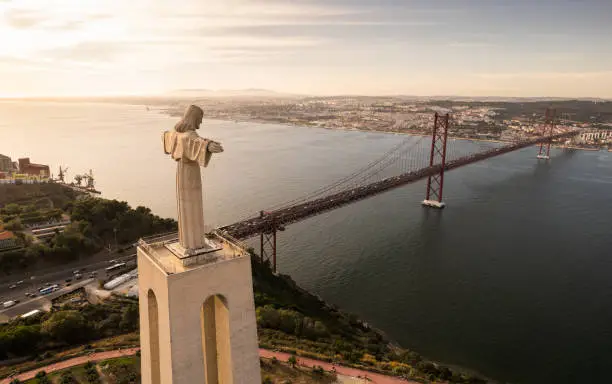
(433, 204)
(543, 157)
(208, 253)
(197, 322)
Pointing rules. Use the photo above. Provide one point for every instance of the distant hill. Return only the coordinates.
(251, 92)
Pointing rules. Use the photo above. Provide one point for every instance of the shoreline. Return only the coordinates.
(461, 138)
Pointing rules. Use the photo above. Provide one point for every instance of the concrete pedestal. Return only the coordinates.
(197, 316)
(544, 157)
(433, 204)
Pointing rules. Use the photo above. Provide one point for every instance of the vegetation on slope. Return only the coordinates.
(95, 222)
(288, 317)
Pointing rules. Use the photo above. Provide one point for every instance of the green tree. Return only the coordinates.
(110, 325)
(267, 380)
(15, 381)
(129, 318)
(21, 340)
(11, 209)
(268, 317)
(292, 361)
(66, 326)
(42, 378)
(14, 225)
(67, 378)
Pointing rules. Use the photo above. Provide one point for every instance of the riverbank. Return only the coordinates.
(417, 134)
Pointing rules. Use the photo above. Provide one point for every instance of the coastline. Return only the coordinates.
(288, 124)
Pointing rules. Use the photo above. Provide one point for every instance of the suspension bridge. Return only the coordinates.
(410, 163)
(405, 163)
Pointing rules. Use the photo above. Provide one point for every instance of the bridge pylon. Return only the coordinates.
(267, 238)
(549, 128)
(435, 183)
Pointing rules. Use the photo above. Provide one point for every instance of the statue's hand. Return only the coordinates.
(214, 147)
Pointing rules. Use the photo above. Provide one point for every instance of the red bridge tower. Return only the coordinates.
(435, 183)
(549, 127)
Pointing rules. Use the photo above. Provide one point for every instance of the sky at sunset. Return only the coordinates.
(413, 47)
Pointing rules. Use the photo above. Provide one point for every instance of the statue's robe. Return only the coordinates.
(191, 152)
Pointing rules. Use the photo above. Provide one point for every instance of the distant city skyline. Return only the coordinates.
(520, 48)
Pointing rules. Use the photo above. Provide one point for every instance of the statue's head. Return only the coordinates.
(191, 119)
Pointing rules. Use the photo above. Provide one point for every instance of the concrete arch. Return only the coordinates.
(216, 345)
(153, 314)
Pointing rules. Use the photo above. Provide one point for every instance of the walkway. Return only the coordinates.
(373, 378)
(72, 362)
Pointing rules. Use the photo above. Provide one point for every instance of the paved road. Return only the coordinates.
(96, 259)
(372, 378)
(56, 277)
(41, 302)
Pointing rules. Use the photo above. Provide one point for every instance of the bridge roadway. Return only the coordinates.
(284, 216)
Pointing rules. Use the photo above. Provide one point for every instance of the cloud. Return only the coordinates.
(546, 75)
(87, 51)
(470, 44)
(74, 24)
(23, 19)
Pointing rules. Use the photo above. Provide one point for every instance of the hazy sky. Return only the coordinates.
(418, 47)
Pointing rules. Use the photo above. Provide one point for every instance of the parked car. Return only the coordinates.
(68, 280)
(78, 276)
(12, 286)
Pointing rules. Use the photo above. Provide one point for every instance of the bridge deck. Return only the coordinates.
(253, 226)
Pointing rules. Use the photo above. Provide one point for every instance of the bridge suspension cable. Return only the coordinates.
(361, 175)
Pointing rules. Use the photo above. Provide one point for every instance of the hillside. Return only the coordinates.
(289, 318)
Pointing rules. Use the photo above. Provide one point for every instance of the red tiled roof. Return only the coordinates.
(6, 235)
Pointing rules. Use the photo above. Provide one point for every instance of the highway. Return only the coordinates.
(32, 284)
(41, 301)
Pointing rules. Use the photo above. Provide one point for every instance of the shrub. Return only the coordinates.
(66, 326)
(42, 378)
(67, 378)
(318, 370)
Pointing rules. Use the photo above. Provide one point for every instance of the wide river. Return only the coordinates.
(513, 279)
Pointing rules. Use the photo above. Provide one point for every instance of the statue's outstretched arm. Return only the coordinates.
(214, 147)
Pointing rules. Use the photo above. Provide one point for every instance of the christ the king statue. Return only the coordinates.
(190, 152)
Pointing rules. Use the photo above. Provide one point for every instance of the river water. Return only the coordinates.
(513, 279)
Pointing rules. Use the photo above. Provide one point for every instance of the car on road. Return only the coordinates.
(113, 261)
(78, 276)
(68, 280)
(12, 286)
(76, 272)
(93, 274)
(19, 282)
